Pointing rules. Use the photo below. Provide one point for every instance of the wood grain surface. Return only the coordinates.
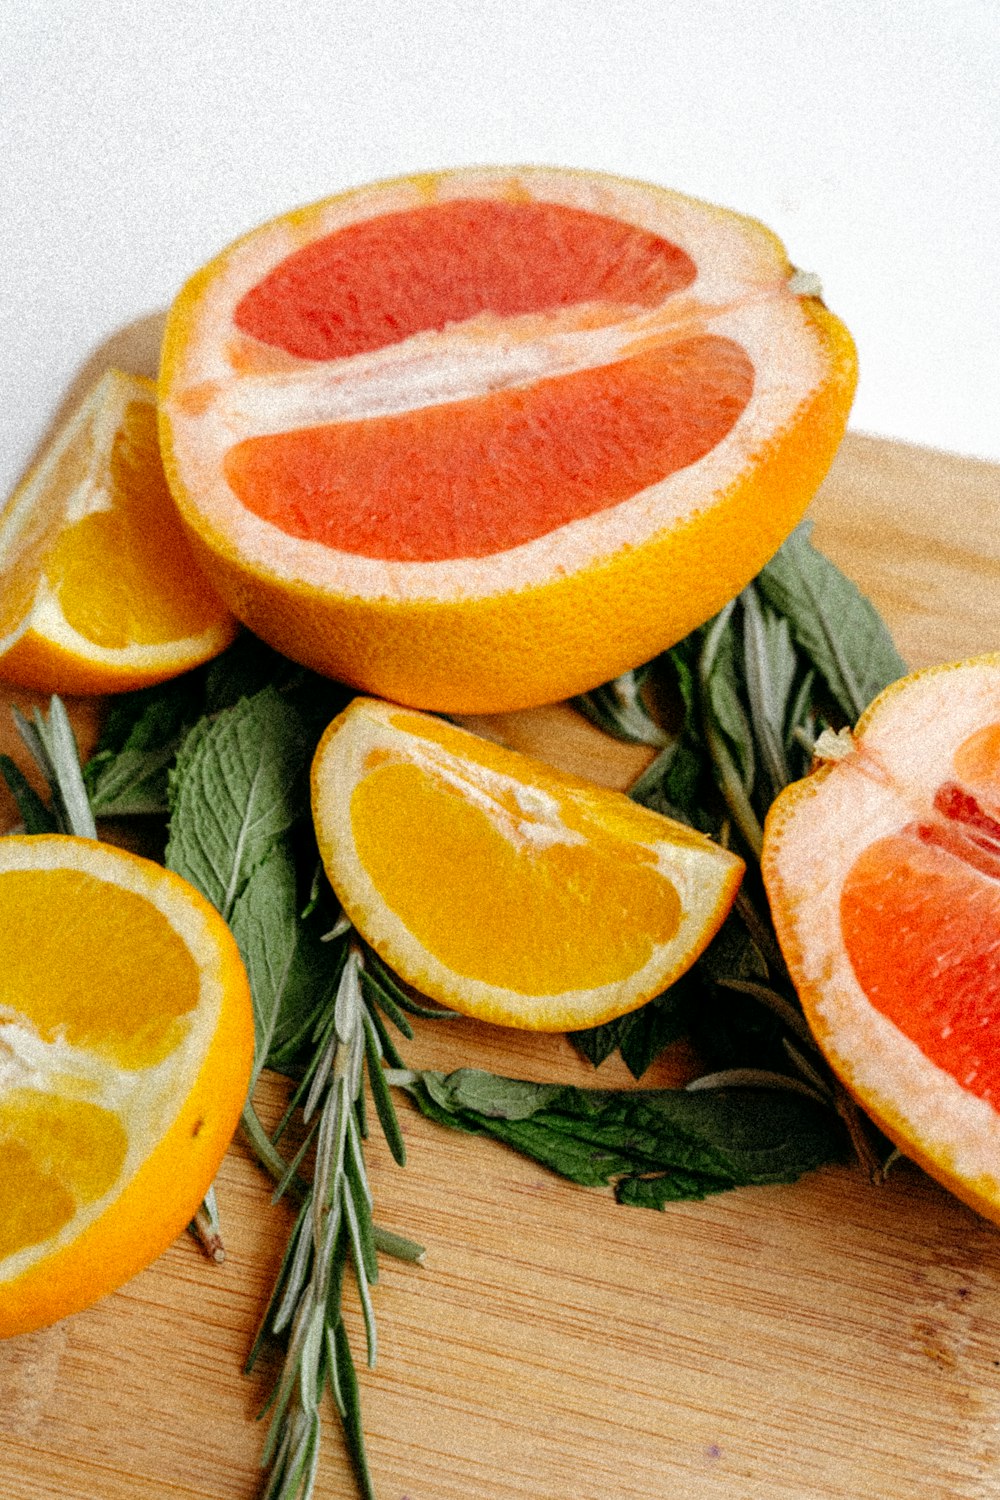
(826, 1341)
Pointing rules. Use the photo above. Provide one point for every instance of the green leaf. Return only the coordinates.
(284, 959)
(704, 1141)
(620, 708)
(770, 668)
(724, 696)
(128, 772)
(838, 628)
(35, 816)
(489, 1095)
(641, 1035)
(237, 785)
(679, 783)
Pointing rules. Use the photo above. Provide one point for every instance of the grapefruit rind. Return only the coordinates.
(705, 876)
(814, 832)
(561, 613)
(179, 1115)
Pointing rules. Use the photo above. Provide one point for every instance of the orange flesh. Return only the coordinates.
(470, 478)
(511, 873)
(154, 592)
(131, 1000)
(384, 279)
(58, 1153)
(920, 915)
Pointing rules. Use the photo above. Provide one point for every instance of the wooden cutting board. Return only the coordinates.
(830, 1339)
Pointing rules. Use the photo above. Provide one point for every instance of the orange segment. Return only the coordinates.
(883, 871)
(501, 887)
(445, 437)
(104, 594)
(126, 1041)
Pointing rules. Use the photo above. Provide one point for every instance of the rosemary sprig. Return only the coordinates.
(53, 747)
(333, 1230)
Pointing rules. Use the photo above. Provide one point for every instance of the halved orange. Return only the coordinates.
(500, 887)
(100, 592)
(883, 872)
(126, 1040)
(485, 438)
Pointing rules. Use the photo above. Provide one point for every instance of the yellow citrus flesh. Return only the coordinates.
(492, 507)
(503, 888)
(126, 1042)
(883, 873)
(101, 592)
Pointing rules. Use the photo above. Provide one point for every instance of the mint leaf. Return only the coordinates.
(287, 964)
(656, 1146)
(238, 785)
(488, 1095)
(833, 623)
(641, 1035)
(128, 773)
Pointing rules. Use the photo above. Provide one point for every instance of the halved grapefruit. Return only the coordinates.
(484, 438)
(883, 873)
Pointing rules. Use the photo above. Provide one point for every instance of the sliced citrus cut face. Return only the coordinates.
(100, 590)
(126, 1042)
(485, 438)
(883, 872)
(501, 887)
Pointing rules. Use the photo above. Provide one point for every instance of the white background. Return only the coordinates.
(138, 139)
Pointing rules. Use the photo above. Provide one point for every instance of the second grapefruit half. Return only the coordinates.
(883, 872)
(482, 439)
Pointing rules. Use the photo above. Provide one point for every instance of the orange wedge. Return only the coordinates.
(500, 887)
(485, 438)
(100, 591)
(883, 872)
(126, 1040)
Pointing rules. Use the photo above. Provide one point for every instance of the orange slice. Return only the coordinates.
(883, 872)
(485, 438)
(126, 1040)
(100, 591)
(500, 887)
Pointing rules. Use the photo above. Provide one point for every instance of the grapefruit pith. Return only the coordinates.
(485, 438)
(883, 872)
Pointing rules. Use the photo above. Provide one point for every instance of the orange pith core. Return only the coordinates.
(514, 861)
(132, 1016)
(920, 915)
(496, 469)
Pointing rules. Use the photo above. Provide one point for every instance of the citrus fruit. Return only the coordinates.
(485, 438)
(883, 873)
(126, 1040)
(500, 887)
(100, 592)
